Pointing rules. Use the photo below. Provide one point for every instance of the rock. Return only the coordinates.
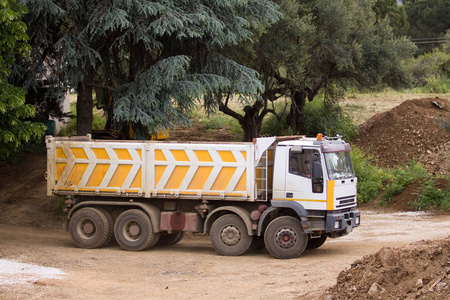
(419, 283)
(376, 290)
(440, 287)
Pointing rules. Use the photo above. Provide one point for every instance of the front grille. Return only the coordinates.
(345, 201)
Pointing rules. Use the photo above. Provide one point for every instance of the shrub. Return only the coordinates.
(429, 196)
(400, 177)
(327, 117)
(370, 177)
(431, 72)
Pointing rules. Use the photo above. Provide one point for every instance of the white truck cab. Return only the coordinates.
(315, 178)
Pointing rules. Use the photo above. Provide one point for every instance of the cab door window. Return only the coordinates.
(300, 163)
(306, 163)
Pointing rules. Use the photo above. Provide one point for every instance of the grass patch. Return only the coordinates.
(98, 123)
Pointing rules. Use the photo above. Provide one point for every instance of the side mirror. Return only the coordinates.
(317, 176)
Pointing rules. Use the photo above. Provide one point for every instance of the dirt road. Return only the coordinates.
(192, 270)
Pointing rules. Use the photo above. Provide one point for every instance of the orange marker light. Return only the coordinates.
(319, 137)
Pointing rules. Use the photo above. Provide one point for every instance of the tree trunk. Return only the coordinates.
(85, 104)
(296, 117)
(251, 122)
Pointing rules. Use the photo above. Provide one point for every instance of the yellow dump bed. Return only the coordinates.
(155, 169)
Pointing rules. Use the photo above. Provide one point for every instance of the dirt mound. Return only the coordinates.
(198, 132)
(417, 271)
(409, 131)
(23, 194)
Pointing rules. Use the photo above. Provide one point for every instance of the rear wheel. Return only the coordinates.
(316, 243)
(90, 228)
(229, 236)
(284, 238)
(110, 220)
(170, 238)
(134, 231)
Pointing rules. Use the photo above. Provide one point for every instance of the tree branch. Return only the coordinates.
(109, 88)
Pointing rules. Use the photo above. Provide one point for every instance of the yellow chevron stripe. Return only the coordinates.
(203, 156)
(79, 153)
(119, 176)
(176, 177)
(159, 156)
(75, 175)
(200, 177)
(179, 155)
(100, 153)
(98, 174)
(123, 154)
(223, 178)
(60, 153)
(227, 156)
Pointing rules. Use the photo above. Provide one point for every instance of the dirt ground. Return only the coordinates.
(192, 269)
(31, 232)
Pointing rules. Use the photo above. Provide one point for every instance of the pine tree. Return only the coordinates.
(148, 61)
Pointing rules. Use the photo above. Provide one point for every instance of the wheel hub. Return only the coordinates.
(86, 228)
(230, 235)
(134, 230)
(285, 238)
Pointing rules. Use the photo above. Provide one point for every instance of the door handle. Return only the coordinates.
(289, 195)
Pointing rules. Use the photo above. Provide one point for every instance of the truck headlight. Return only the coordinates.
(337, 224)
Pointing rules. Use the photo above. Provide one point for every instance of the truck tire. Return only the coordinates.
(90, 228)
(284, 238)
(316, 243)
(170, 238)
(110, 221)
(229, 235)
(134, 231)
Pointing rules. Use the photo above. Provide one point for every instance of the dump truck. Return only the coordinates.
(284, 193)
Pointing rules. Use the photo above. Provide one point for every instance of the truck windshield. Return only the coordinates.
(339, 165)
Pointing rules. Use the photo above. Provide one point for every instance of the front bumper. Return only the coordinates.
(342, 223)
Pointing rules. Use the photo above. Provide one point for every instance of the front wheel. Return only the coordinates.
(316, 243)
(229, 236)
(284, 238)
(134, 231)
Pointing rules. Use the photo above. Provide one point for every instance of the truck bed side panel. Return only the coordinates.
(152, 170)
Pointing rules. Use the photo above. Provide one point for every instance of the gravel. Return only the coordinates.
(12, 272)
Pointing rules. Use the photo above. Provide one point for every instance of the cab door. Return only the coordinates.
(304, 178)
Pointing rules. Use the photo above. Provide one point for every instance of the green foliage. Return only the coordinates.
(430, 196)
(321, 116)
(400, 177)
(321, 44)
(328, 118)
(14, 128)
(370, 177)
(428, 21)
(431, 71)
(395, 13)
(148, 60)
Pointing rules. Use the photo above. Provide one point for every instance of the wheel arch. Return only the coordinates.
(220, 211)
(153, 212)
(280, 208)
